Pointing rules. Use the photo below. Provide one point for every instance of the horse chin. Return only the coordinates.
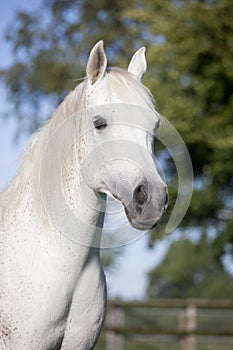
(137, 224)
(140, 226)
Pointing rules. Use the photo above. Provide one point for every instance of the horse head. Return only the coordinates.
(118, 147)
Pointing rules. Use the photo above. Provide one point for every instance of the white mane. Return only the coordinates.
(118, 80)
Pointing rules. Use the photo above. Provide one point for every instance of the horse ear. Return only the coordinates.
(97, 63)
(138, 65)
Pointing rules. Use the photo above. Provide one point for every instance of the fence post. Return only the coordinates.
(115, 319)
(187, 320)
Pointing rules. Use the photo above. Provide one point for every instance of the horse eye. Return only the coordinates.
(99, 122)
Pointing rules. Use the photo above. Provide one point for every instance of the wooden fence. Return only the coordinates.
(179, 324)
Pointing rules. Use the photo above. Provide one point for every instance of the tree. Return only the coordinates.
(189, 270)
(192, 78)
(51, 46)
(190, 55)
(194, 84)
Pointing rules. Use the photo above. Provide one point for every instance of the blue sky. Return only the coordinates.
(8, 153)
(128, 278)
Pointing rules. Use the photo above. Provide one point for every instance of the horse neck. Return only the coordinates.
(74, 208)
(82, 206)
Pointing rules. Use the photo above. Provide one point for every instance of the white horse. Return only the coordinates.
(99, 141)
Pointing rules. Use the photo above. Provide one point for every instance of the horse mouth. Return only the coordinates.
(134, 220)
(136, 224)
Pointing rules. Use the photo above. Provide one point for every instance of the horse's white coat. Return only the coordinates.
(52, 288)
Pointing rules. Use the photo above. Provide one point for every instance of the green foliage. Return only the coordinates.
(189, 270)
(190, 55)
(50, 47)
(193, 80)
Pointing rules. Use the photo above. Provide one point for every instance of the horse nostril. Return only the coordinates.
(140, 194)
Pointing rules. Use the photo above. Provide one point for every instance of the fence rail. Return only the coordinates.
(175, 303)
(188, 324)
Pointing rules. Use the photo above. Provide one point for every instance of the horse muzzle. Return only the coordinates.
(147, 204)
